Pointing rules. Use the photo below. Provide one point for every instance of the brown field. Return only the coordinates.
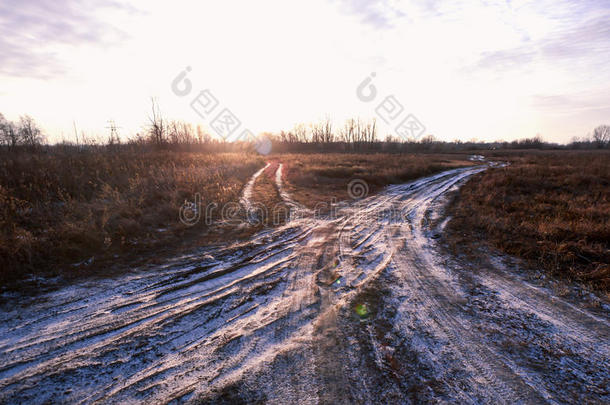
(81, 213)
(59, 209)
(316, 178)
(551, 208)
(76, 213)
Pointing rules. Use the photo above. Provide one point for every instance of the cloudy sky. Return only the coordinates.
(465, 69)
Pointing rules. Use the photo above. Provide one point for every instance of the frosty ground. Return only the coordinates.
(364, 306)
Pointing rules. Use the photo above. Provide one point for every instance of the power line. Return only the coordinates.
(114, 133)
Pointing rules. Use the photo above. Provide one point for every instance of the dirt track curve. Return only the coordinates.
(359, 307)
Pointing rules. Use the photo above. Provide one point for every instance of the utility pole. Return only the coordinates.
(114, 133)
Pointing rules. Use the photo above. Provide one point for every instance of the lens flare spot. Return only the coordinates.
(362, 310)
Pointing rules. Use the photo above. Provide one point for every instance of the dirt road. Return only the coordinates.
(363, 306)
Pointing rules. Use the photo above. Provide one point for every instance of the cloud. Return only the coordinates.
(380, 14)
(580, 38)
(506, 59)
(590, 38)
(572, 102)
(33, 32)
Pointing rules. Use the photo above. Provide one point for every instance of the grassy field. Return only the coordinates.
(75, 213)
(62, 209)
(552, 209)
(80, 213)
(316, 178)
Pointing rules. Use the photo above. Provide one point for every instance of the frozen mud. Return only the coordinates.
(360, 307)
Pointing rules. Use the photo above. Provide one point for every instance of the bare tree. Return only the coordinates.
(601, 136)
(203, 136)
(157, 129)
(355, 130)
(3, 124)
(288, 137)
(186, 133)
(180, 132)
(317, 131)
(389, 138)
(300, 133)
(428, 140)
(29, 133)
(369, 131)
(327, 131)
(322, 132)
(9, 135)
(347, 133)
(173, 132)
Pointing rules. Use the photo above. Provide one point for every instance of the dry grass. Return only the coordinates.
(552, 209)
(60, 209)
(316, 178)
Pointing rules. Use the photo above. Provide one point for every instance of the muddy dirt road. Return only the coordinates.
(363, 306)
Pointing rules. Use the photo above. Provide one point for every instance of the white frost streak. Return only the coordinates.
(286, 197)
(246, 197)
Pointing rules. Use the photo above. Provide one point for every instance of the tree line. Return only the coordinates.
(23, 133)
(354, 135)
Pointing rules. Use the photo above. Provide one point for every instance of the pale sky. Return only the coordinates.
(465, 69)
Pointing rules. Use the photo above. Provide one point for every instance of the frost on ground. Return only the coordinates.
(362, 307)
(286, 197)
(296, 210)
(246, 198)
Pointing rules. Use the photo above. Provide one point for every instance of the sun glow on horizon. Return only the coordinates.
(465, 70)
